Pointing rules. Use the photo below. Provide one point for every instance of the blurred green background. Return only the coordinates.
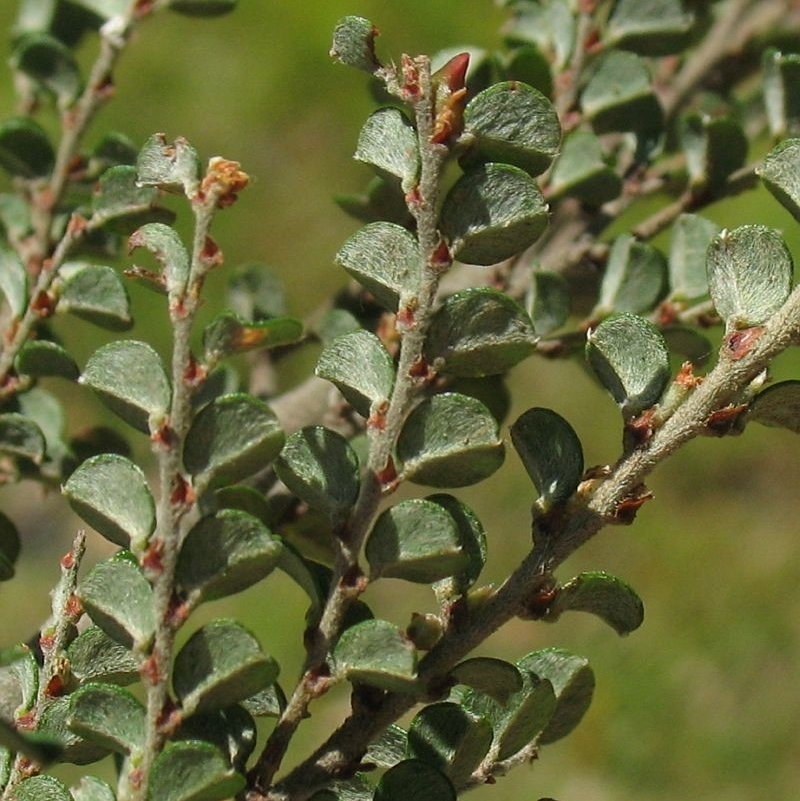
(703, 701)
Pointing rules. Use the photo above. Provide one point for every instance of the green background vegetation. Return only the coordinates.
(703, 702)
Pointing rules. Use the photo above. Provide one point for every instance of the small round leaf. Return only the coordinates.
(492, 212)
(25, 150)
(388, 142)
(95, 293)
(634, 278)
(108, 716)
(780, 173)
(778, 405)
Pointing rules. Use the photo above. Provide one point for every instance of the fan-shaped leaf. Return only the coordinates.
(94, 656)
(634, 278)
(20, 436)
(581, 171)
(780, 173)
(715, 147)
(168, 250)
(40, 357)
(691, 236)
(494, 677)
(95, 293)
(228, 333)
(109, 716)
(111, 494)
(388, 142)
(25, 149)
(13, 281)
(450, 440)
(650, 27)
(778, 405)
(173, 166)
(781, 86)
(354, 43)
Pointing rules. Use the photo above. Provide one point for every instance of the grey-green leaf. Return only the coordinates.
(130, 379)
(231, 438)
(781, 86)
(414, 780)
(95, 293)
(359, 365)
(691, 236)
(416, 540)
(449, 738)
(119, 195)
(629, 356)
(619, 95)
(354, 43)
(550, 25)
(40, 358)
(512, 123)
(601, 594)
(112, 495)
(221, 664)
(492, 212)
(192, 770)
(228, 333)
(388, 142)
(94, 656)
(550, 301)
(40, 788)
(20, 436)
(377, 653)
(173, 166)
(384, 258)
(573, 683)
(778, 406)
(749, 274)
(90, 788)
(226, 553)
(13, 281)
(551, 452)
(494, 677)
(479, 331)
(634, 278)
(109, 716)
(780, 173)
(650, 27)
(168, 250)
(715, 147)
(450, 440)
(119, 599)
(319, 466)
(581, 171)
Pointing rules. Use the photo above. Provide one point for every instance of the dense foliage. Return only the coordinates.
(487, 240)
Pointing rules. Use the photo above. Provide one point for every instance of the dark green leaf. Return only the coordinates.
(172, 166)
(39, 358)
(691, 236)
(581, 171)
(13, 281)
(631, 359)
(416, 540)
(118, 598)
(377, 653)
(550, 25)
(388, 142)
(608, 597)
(9, 547)
(45, 410)
(269, 702)
(781, 85)
(51, 64)
(650, 27)
(25, 150)
(573, 682)
(521, 719)
(232, 730)
(687, 342)
(414, 780)
(113, 149)
(634, 278)
(203, 8)
(226, 553)
(221, 664)
(472, 539)
(715, 147)
(130, 379)
(109, 716)
(111, 494)
(384, 258)
(360, 367)
(778, 405)
(449, 738)
(119, 195)
(619, 95)
(389, 748)
(228, 333)
(230, 439)
(780, 173)
(95, 293)
(255, 293)
(354, 43)
(492, 213)
(169, 252)
(479, 331)
(449, 440)
(512, 123)
(321, 468)
(40, 788)
(550, 301)
(21, 437)
(94, 656)
(494, 677)
(552, 454)
(192, 771)
(749, 275)
(383, 200)
(74, 749)
(529, 64)
(39, 747)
